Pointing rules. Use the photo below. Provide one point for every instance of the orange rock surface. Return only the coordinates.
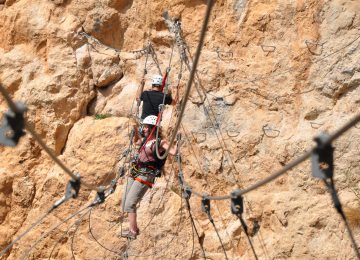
(272, 75)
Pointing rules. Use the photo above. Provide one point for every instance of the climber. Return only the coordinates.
(145, 167)
(153, 98)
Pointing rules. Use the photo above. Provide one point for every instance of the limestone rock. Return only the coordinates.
(271, 76)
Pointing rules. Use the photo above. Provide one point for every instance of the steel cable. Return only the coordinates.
(191, 78)
(77, 222)
(32, 131)
(243, 224)
(27, 252)
(172, 239)
(25, 232)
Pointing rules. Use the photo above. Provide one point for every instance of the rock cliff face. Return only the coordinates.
(272, 75)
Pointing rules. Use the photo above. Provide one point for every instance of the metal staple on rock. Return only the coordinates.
(267, 128)
(309, 44)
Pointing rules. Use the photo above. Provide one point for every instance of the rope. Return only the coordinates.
(159, 117)
(77, 223)
(116, 179)
(331, 187)
(97, 241)
(72, 190)
(142, 82)
(184, 58)
(205, 98)
(187, 198)
(263, 182)
(170, 242)
(162, 198)
(155, 59)
(25, 232)
(243, 224)
(100, 198)
(206, 209)
(193, 225)
(287, 167)
(90, 37)
(32, 131)
(205, 175)
(120, 253)
(191, 78)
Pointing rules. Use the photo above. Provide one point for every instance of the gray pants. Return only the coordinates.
(134, 192)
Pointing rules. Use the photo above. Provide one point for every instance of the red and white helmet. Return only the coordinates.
(157, 80)
(150, 120)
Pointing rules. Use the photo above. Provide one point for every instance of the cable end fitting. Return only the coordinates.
(71, 191)
(187, 191)
(322, 158)
(12, 126)
(237, 203)
(205, 204)
(100, 196)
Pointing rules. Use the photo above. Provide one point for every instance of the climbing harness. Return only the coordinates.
(147, 183)
(136, 170)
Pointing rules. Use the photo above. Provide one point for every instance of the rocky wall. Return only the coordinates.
(272, 75)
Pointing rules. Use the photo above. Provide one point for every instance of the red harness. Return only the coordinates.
(147, 183)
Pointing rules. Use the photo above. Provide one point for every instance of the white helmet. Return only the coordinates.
(157, 80)
(150, 120)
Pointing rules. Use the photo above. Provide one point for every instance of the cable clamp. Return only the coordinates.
(187, 192)
(237, 203)
(205, 204)
(100, 197)
(181, 178)
(71, 191)
(322, 158)
(12, 126)
(73, 187)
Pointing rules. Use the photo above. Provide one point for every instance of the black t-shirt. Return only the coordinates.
(151, 100)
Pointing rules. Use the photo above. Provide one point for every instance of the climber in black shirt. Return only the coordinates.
(153, 98)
